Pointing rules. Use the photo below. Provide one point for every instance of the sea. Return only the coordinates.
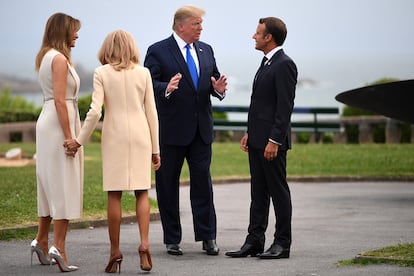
(307, 95)
(320, 79)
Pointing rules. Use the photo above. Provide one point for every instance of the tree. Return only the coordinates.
(16, 109)
(16, 103)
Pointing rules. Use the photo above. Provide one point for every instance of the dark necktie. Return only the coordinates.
(192, 66)
(263, 62)
(261, 67)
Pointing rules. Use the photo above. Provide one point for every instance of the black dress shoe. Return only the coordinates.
(276, 251)
(246, 250)
(174, 249)
(211, 248)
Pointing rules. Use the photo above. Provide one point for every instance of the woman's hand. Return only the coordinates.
(71, 147)
(156, 161)
(243, 143)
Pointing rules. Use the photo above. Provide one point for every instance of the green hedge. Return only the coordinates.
(7, 116)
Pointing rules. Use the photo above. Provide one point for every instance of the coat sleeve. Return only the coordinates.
(151, 113)
(285, 83)
(95, 110)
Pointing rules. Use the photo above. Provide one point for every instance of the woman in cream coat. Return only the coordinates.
(129, 136)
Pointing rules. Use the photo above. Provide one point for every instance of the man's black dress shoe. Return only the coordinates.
(174, 249)
(276, 251)
(211, 248)
(246, 250)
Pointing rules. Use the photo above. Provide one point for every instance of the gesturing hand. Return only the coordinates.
(219, 85)
(173, 83)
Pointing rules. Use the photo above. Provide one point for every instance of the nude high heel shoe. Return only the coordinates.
(114, 264)
(35, 248)
(145, 259)
(55, 254)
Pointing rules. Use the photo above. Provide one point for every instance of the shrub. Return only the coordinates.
(15, 109)
(303, 137)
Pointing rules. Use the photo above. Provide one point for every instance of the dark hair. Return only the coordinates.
(276, 27)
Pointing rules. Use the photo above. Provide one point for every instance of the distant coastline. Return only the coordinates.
(309, 93)
(24, 85)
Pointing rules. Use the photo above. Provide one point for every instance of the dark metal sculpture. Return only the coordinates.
(392, 99)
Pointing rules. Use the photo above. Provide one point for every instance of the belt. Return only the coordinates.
(70, 99)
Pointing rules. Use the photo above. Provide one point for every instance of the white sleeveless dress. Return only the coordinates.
(59, 177)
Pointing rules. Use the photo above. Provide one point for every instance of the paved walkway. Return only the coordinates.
(331, 222)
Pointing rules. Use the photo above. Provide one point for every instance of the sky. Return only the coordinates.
(337, 45)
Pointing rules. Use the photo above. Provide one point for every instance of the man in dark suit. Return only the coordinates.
(185, 76)
(267, 141)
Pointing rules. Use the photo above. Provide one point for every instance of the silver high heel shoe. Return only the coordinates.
(55, 254)
(35, 248)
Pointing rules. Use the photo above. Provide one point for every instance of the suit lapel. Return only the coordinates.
(275, 56)
(178, 56)
(200, 56)
(266, 67)
(176, 53)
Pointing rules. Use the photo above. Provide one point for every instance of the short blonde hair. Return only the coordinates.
(119, 50)
(186, 12)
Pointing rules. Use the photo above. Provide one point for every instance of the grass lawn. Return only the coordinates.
(18, 184)
(400, 254)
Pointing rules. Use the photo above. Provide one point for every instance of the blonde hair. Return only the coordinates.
(186, 12)
(119, 50)
(58, 35)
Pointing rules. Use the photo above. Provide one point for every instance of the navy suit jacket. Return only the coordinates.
(272, 102)
(188, 108)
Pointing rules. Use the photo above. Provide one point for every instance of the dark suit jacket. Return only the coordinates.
(271, 103)
(187, 108)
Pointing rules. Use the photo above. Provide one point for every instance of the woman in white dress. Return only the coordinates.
(129, 136)
(59, 172)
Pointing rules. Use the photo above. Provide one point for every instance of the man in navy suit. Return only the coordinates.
(267, 141)
(183, 96)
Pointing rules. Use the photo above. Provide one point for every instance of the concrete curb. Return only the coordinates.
(85, 223)
(330, 179)
(361, 257)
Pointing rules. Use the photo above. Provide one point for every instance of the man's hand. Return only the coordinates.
(173, 84)
(220, 85)
(270, 152)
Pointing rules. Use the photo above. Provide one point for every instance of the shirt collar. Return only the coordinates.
(272, 52)
(181, 43)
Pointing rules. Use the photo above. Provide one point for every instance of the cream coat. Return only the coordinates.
(130, 126)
